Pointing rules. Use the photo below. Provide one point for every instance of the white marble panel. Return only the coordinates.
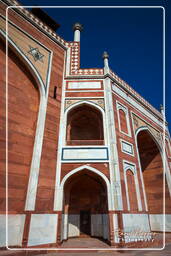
(85, 154)
(136, 222)
(157, 222)
(168, 222)
(84, 85)
(97, 225)
(15, 229)
(135, 225)
(127, 148)
(73, 225)
(43, 229)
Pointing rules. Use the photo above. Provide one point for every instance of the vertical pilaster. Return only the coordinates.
(116, 196)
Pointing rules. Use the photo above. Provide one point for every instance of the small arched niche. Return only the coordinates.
(123, 121)
(133, 206)
(85, 126)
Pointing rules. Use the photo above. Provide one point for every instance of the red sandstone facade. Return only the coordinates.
(85, 151)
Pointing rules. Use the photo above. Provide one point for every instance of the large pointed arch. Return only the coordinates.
(91, 169)
(151, 159)
(145, 128)
(160, 146)
(38, 141)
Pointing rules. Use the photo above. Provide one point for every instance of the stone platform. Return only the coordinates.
(103, 249)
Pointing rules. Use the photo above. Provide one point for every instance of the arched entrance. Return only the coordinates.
(152, 169)
(85, 207)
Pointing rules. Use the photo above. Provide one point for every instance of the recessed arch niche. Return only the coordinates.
(85, 126)
(86, 205)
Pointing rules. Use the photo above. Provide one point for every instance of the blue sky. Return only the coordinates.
(133, 37)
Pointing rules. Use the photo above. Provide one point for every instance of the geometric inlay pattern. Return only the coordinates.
(37, 55)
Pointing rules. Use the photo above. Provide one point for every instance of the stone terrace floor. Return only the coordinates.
(96, 243)
(84, 242)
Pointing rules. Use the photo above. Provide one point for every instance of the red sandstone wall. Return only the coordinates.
(132, 191)
(24, 101)
(2, 130)
(152, 179)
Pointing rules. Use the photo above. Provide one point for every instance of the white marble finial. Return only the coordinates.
(106, 63)
(77, 27)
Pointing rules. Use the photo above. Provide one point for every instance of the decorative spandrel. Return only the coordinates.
(138, 123)
(37, 55)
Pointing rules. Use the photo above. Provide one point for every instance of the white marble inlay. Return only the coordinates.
(157, 222)
(15, 229)
(84, 153)
(43, 229)
(84, 85)
(127, 148)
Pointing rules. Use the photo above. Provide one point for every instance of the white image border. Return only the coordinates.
(81, 249)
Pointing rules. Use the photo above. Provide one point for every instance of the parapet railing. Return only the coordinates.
(84, 142)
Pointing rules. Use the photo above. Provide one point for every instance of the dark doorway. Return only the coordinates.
(85, 223)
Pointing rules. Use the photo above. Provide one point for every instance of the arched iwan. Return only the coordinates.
(85, 126)
(100, 116)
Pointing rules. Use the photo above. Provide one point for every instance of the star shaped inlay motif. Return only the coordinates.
(37, 55)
